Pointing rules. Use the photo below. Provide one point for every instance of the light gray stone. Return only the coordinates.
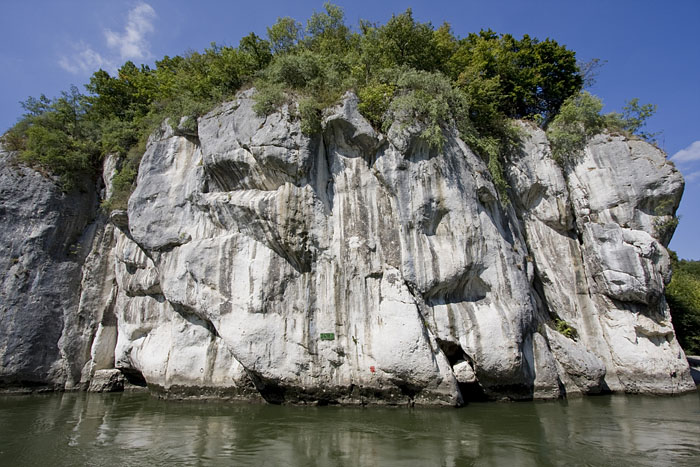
(110, 167)
(352, 234)
(464, 373)
(577, 364)
(107, 381)
(547, 384)
(353, 267)
(600, 263)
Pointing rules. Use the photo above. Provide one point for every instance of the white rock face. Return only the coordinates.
(622, 192)
(600, 259)
(352, 267)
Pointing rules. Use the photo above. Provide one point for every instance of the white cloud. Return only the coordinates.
(689, 154)
(132, 43)
(84, 60)
(691, 177)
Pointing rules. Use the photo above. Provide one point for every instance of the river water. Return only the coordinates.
(131, 429)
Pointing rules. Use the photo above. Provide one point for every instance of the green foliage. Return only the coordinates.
(327, 32)
(304, 70)
(665, 228)
(318, 81)
(124, 181)
(55, 135)
(284, 35)
(67, 136)
(404, 71)
(666, 223)
(268, 97)
(495, 167)
(198, 82)
(122, 186)
(310, 115)
(408, 71)
(15, 139)
(119, 135)
(633, 118)
(565, 329)
(683, 297)
(404, 42)
(502, 78)
(578, 119)
(426, 98)
(375, 99)
(302, 74)
(257, 50)
(126, 95)
(527, 77)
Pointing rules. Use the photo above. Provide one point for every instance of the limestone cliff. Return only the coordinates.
(46, 235)
(351, 267)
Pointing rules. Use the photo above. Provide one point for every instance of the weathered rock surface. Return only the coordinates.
(353, 267)
(600, 256)
(46, 235)
(107, 381)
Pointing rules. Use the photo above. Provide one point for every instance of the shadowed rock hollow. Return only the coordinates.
(354, 267)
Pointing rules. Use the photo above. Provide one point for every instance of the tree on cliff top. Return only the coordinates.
(494, 77)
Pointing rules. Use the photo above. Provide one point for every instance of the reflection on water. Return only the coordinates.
(136, 429)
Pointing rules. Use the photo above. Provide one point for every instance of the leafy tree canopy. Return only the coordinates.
(527, 77)
(398, 69)
(683, 296)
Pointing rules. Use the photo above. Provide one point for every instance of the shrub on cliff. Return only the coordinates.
(683, 296)
(579, 119)
(427, 98)
(55, 135)
(632, 120)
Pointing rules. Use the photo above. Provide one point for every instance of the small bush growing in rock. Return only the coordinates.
(578, 119)
(565, 329)
(375, 99)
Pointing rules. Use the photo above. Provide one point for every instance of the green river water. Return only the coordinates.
(75, 429)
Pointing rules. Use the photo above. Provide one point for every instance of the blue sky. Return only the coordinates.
(651, 51)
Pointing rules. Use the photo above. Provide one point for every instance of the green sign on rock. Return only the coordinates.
(327, 336)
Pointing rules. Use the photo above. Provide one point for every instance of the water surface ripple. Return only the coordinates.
(136, 429)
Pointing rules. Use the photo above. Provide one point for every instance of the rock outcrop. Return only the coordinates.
(354, 267)
(46, 236)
